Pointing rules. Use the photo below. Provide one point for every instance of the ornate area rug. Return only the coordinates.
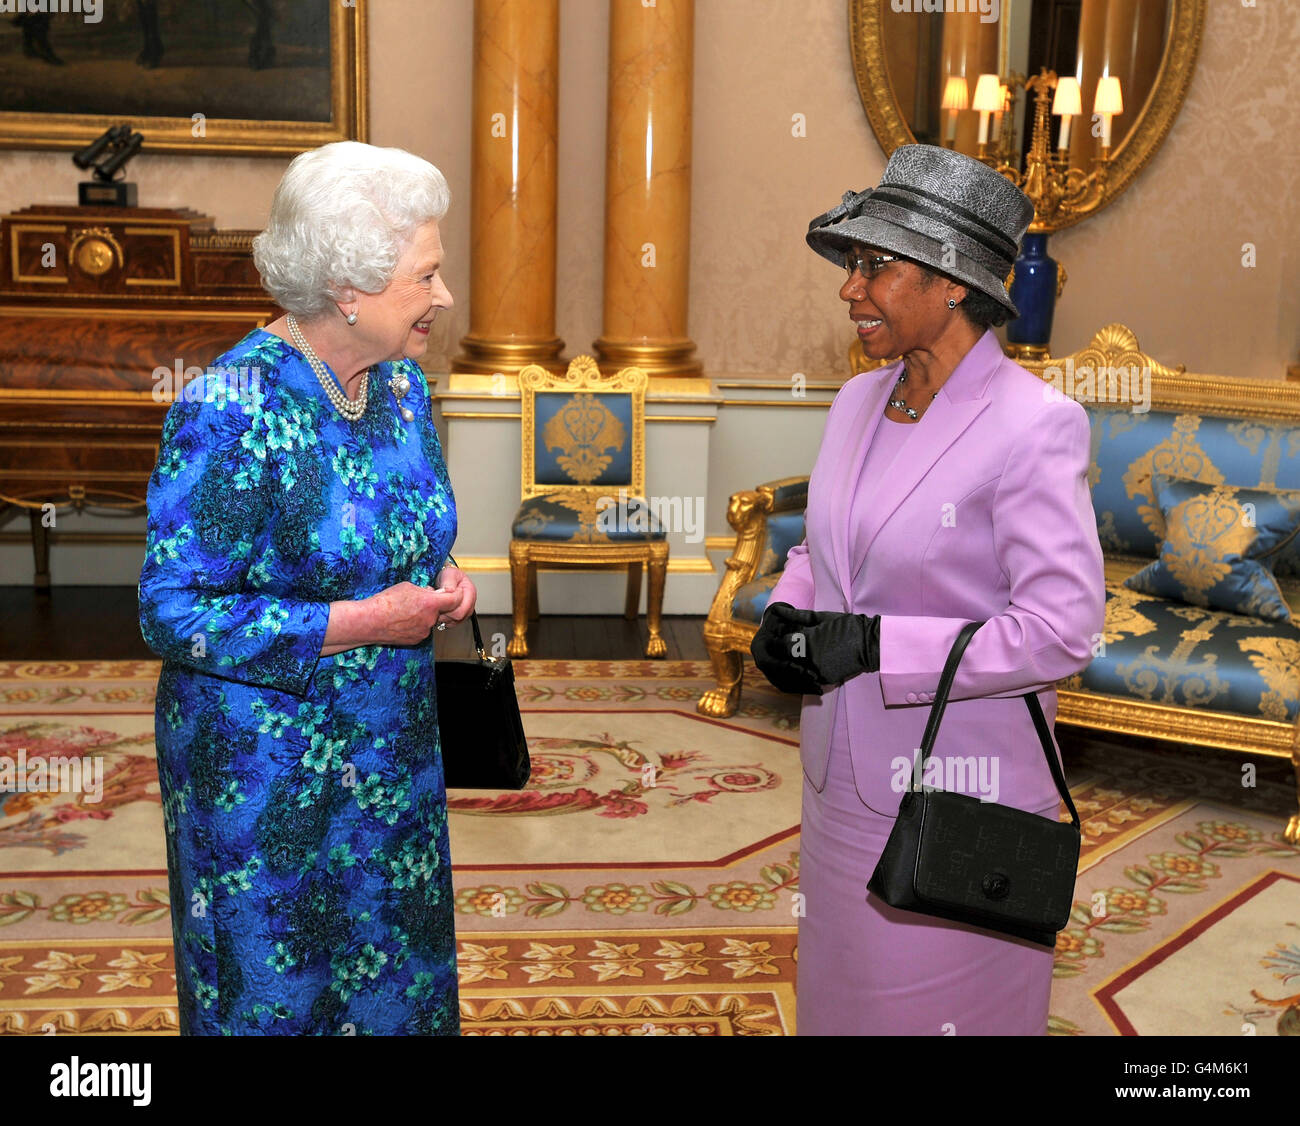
(644, 884)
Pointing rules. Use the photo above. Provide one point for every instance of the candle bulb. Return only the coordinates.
(1066, 104)
(955, 97)
(988, 99)
(1108, 102)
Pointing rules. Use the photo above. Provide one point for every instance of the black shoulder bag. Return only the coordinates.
(992, 866)
(481, 731)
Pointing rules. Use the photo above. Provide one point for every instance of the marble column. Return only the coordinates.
(648, 188)
(513, 193)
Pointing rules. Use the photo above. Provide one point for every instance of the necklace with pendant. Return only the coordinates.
(899, 405)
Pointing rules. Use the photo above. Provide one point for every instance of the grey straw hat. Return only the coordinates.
(938, 207)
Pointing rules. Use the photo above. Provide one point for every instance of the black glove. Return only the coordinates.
(829, 647)
(771, 651)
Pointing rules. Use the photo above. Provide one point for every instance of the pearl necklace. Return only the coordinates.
(346, 407)
(899, 405)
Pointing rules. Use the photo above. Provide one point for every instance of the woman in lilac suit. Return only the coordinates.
(950, 487)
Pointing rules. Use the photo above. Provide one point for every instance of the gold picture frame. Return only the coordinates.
(1140, 144)
(347, 118)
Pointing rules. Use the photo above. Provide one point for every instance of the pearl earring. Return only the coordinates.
(952, 304)
(352, 317)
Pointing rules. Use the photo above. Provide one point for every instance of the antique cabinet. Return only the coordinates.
(93, 301)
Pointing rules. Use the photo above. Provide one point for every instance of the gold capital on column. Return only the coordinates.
(512, 210)
(648, 188)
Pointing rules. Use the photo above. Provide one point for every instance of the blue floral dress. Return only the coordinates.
(303, 796)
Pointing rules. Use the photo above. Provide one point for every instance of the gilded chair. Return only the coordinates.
(769, 521)
(583, 484)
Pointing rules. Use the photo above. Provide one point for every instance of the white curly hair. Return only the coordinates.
(341, 216)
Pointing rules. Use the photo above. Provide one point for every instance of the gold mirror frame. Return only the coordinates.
(1186, 26)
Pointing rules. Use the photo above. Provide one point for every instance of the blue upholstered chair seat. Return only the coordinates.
(577, 518)
(751, 599)
(781, 531)
(1167, 652)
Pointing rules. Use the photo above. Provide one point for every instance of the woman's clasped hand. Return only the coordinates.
(801, 651)
(402, 614)
(405, 613)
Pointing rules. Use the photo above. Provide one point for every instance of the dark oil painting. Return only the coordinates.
(259, 60)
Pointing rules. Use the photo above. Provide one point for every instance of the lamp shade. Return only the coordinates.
(1108, 99)
(988, 94)
(1068, 97)
(955, 93)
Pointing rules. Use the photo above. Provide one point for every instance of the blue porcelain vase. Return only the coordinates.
(1033, 290)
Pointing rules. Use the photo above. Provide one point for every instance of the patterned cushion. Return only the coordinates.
(582, 438)
(1127, 448)
(586, 518)
(1186, 656)
(751, 599)
(1215, 539)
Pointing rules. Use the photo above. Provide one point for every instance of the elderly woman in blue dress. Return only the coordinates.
(300, 520)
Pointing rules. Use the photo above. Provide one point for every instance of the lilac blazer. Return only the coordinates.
(987, 515)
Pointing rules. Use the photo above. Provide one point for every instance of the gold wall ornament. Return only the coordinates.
(1061, 195)
(867, 21)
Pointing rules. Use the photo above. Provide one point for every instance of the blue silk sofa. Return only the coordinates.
(1167, 667)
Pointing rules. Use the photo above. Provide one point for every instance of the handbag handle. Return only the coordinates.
(473, 621)
(1031, 700)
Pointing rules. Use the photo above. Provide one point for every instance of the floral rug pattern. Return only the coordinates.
(645, 882)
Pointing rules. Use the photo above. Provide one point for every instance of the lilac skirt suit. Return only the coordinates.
(979, 511)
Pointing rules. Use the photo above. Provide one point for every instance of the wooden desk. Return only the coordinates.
(92, 301)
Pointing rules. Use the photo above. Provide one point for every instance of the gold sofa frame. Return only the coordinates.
(526, 556)
(1171, 389)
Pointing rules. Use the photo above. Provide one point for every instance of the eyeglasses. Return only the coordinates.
(868, 265)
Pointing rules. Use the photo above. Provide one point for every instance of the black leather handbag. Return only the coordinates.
(482, 733)
(956, 857)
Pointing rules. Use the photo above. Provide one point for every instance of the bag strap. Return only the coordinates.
(473, 621)
(1031, 701)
